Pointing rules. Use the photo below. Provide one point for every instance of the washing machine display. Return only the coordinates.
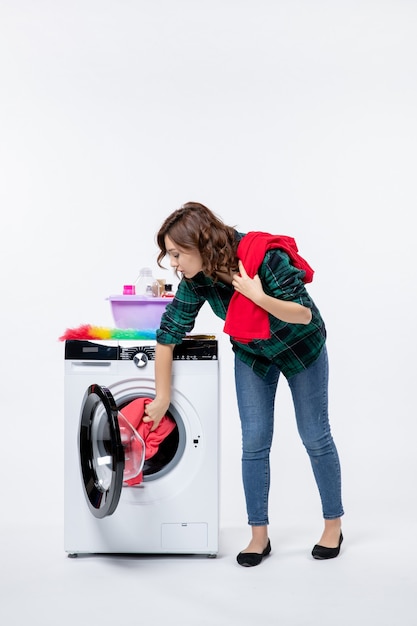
(174, 509)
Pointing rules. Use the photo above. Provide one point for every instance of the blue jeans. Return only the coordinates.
(256, 398)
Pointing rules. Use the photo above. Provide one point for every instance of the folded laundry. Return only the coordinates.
(134, 413)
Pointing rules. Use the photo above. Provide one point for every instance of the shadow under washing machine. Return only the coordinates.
(175, 507)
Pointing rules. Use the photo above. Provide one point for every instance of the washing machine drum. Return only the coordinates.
(103, 450)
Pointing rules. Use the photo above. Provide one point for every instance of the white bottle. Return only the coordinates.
(144, 282)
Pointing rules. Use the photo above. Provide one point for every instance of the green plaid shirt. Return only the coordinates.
(292, 347)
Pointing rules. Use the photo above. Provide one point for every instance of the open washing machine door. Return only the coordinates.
(106, 440)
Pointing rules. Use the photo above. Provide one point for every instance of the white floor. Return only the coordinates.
(373, 582)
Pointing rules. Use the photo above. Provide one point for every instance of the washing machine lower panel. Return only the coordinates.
(176, 511)
(170, 526)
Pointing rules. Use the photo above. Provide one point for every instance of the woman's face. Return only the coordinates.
(188, 262)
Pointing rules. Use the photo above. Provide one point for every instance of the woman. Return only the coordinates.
(256, 283)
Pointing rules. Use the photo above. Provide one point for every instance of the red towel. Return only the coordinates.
(245, 320)
(134, 413)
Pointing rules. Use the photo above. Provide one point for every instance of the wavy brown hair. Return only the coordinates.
(195, 227)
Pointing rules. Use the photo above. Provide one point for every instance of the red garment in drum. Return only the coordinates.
(134, 412)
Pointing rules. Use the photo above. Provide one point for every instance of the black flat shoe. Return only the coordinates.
(249, 559)
(321, 552)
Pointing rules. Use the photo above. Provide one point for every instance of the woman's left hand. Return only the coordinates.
(249, 287)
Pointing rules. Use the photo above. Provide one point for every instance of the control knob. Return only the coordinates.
(140, 359)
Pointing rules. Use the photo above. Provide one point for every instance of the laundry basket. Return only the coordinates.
(140, 312)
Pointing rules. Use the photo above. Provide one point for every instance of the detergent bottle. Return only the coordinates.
(144, 282)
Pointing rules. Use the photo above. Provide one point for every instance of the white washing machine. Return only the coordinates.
(175, 508)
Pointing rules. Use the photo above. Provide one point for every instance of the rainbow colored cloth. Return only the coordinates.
(88, 331)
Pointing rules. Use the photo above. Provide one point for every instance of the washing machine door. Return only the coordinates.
(101, 451)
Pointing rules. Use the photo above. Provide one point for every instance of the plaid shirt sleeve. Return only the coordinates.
(282, 280)
(180, 314)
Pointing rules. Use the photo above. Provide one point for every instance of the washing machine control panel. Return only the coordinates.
(139, 354)
(196, 350)
(189, 350)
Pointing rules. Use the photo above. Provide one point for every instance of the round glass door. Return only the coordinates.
(101, 451)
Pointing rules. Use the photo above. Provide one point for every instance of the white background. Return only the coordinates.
(296, 117)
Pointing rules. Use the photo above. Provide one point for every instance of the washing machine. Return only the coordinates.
(175, 507)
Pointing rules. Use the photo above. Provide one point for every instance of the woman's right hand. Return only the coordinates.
(155, 411)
